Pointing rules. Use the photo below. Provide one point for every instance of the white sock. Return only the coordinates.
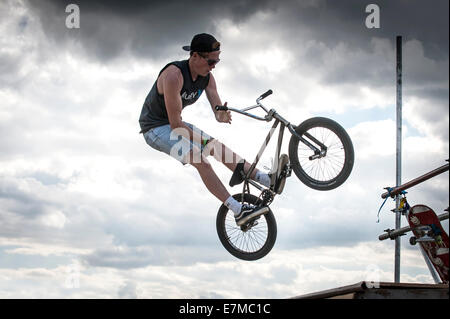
(234, 205)
(262, 178)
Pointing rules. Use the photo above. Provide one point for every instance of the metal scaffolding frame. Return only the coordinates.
(395, 234)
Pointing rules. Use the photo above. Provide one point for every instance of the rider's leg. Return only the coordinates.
(230, 159)
(242, 213)
(212, 182)
(185, 151)
(209, 177)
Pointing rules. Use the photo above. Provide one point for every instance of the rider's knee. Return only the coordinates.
(198, 160)
(219, 151)
(209, 148)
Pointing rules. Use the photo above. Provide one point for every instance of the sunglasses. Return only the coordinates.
(210, 62)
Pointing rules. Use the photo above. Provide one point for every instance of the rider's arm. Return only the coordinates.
(172, 83)
(214, 99)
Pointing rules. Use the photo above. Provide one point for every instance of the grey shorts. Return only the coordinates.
(166, 140)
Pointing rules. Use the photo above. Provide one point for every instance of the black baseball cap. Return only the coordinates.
(203, 42)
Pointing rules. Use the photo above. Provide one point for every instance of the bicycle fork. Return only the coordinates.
(284, 123)
(317, 153)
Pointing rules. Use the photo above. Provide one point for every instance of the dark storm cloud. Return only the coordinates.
(333, 24)
(417, 19)
(156, 29)
(149, 28)
(146, 28)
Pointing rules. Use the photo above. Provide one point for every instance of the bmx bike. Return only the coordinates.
(320, 154)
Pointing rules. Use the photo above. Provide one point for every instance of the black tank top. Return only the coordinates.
(154, 111)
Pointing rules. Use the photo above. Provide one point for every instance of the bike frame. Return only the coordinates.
(273, 115)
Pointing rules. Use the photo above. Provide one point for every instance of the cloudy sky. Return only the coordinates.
(88, 210)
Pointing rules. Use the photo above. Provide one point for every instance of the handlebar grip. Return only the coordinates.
(266, 94)
(221, 108)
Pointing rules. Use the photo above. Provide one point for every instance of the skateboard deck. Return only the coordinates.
(429, 234)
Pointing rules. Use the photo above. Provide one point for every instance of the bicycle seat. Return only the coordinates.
(238, 174)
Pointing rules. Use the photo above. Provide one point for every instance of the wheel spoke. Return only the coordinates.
(250, 241)
(326, 168)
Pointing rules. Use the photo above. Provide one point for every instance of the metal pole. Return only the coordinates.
(392, 234)
(416, 181)
(430, 266)
(398, 214)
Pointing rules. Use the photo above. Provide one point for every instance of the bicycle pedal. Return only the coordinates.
(288, 170)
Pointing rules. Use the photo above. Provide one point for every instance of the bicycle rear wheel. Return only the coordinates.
(322, 172)
(251, 241)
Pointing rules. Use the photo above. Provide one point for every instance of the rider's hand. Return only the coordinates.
(223, 116)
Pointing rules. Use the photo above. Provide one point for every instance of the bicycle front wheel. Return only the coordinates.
(251, 241)
(324, 172)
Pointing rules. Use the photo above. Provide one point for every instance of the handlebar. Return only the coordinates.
(244, 110)
(262, 97)
(269, 116)
(221, 108)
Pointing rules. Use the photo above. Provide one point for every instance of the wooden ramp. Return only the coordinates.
(383, 290)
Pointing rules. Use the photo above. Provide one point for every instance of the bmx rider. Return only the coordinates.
(179, 84)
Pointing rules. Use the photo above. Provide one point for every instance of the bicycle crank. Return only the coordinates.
(250, 224)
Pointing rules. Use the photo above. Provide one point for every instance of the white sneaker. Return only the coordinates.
(248, 212)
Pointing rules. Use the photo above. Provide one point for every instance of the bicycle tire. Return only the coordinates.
(245, 253)
(338, 143)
